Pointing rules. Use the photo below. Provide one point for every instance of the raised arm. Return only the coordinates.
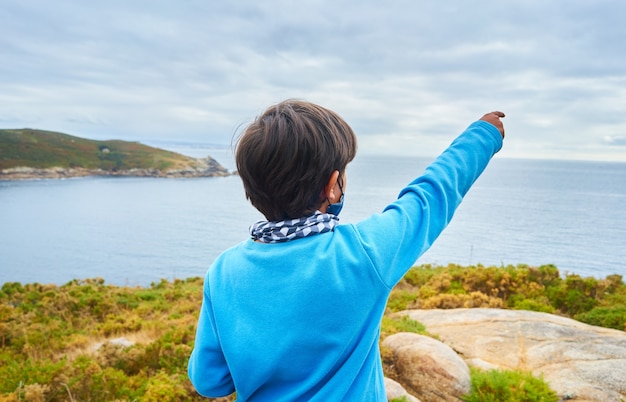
(407, 227)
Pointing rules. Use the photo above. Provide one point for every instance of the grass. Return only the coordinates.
(511, 386)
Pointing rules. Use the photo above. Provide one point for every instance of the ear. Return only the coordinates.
(329, 191)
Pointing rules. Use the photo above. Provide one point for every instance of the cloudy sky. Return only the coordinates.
(408, 75)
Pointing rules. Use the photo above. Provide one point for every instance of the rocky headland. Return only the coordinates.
(202, 167)
(39, 154)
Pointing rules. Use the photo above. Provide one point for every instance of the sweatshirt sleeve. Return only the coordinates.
(207, 368)
(395, 238)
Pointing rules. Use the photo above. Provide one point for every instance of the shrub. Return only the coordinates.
(49, 335)
(608, 317)
(518, 287)
(401, 299)
(435, 285)
(542, 306)
(52, 346)
(419, 276)
(163, 387)
(472, 300)
(575, 295)
(511, 386)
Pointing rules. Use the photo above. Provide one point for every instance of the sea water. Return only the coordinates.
(134, 231)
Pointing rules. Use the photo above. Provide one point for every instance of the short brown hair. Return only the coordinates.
(287, 154)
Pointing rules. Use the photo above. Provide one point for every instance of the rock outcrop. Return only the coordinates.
(202, 167)
(428, 368)
(397, 391)
(579, 361)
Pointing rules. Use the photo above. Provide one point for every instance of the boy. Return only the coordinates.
(293, 314)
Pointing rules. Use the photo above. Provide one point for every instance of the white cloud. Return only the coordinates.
(408, 76)
(617, 140)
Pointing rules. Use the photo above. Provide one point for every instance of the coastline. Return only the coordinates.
(203, 167)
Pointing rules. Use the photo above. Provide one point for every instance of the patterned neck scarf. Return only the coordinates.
(290, 229)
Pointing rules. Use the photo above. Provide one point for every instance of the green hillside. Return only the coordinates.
(46, 149)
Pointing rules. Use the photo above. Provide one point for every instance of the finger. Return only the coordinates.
(498, 113)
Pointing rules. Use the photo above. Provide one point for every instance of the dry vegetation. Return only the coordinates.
(87, 340)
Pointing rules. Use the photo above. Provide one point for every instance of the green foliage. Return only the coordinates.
(400, 300)
(609, 317)
(55, 341)
(576, 295)
(46, 149)
(542, 305)
(512, 386)
(591, 300)
(394, 324)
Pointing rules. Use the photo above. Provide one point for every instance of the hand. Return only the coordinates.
(494, 118)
